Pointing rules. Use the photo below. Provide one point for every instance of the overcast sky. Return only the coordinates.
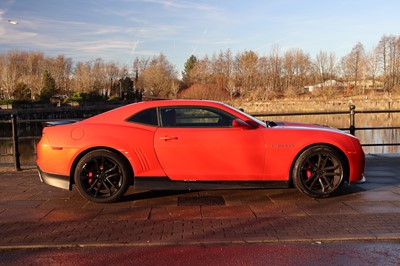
(120, 30)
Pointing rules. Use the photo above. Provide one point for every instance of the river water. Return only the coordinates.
(367, 136)
(27, 146)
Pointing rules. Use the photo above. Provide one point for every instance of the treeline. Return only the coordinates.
(250, 75)
(35, 76)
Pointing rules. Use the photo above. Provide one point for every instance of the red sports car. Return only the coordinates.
(194, 144)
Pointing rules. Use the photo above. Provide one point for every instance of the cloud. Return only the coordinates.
(2, 26)
(169, 4)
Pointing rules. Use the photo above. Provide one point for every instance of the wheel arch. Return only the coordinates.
(341, 153)
(84, 152)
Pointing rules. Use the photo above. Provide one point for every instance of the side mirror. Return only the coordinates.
(252, 123)
(238, 123)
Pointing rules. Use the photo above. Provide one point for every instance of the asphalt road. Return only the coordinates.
(314, 253)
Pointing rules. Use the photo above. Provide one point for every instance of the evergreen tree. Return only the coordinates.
(128, 91)
(49, 86)
(22, 92)
(189, 65)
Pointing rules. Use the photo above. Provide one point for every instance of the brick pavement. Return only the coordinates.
(36, 215)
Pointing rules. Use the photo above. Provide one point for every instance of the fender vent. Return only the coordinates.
(142, 159)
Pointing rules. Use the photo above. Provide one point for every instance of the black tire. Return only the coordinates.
(102, 176)
(320, 171)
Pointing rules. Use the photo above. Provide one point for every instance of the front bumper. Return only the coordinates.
(361, 181)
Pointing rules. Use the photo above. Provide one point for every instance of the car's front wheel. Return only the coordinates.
(101, 176)
(319, 171)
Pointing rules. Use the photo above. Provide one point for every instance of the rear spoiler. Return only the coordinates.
(57, 123)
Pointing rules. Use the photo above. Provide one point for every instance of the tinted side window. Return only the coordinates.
(194, 117)
(147, 117)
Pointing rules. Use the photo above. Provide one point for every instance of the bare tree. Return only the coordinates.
(297, 69)
(247, 73)
(175, 88)
(373, 66)
(112, 74)
(82, 77)
(231, 87)
(201, 72)
(322, 66)
(158, 77)
(61, 71)
(139, 65)
(34, 75)
(276, 69)
(266, 76)
(354, 65)
(389, 47)
(3, 69)
(332, 66)
(99, 77)
(10, 73)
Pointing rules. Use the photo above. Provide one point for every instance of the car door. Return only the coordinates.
(200, 143)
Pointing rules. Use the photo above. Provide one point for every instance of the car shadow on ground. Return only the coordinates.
(175, 195)
(349, 189)
(152, 194)
(373, 183)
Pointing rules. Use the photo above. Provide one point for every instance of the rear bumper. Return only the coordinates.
(55, 180)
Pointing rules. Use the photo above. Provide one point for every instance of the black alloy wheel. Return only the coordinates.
(102, 176)
(320, 171)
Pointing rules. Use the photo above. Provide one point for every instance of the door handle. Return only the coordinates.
(166, 138)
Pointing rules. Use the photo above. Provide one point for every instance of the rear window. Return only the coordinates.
(146, 117)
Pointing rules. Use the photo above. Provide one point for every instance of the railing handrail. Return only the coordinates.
(295, 113)
(301, 113)
(352, 128)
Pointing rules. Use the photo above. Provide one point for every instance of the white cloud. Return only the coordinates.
(170, 4)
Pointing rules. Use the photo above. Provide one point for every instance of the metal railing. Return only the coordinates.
(352, 127)
(351, 112)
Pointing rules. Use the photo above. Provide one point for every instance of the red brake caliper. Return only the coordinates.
(90, 177)
(309, 172)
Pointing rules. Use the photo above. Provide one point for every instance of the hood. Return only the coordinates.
(303, 126)
(297, 125)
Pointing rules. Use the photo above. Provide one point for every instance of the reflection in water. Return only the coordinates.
(28, 146)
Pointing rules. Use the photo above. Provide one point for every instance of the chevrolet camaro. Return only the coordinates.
(194, 144)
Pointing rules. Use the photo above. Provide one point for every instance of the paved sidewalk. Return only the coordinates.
(36, 215)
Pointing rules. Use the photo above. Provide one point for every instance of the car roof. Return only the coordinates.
(179, 102)
(123, 112)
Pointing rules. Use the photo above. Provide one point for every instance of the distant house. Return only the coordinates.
(371, 84)
(327, 83)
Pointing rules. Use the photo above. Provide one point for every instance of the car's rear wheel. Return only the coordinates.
(319, 171)
(102, 176)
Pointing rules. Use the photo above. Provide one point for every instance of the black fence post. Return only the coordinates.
(352, 120)
(16, 154)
